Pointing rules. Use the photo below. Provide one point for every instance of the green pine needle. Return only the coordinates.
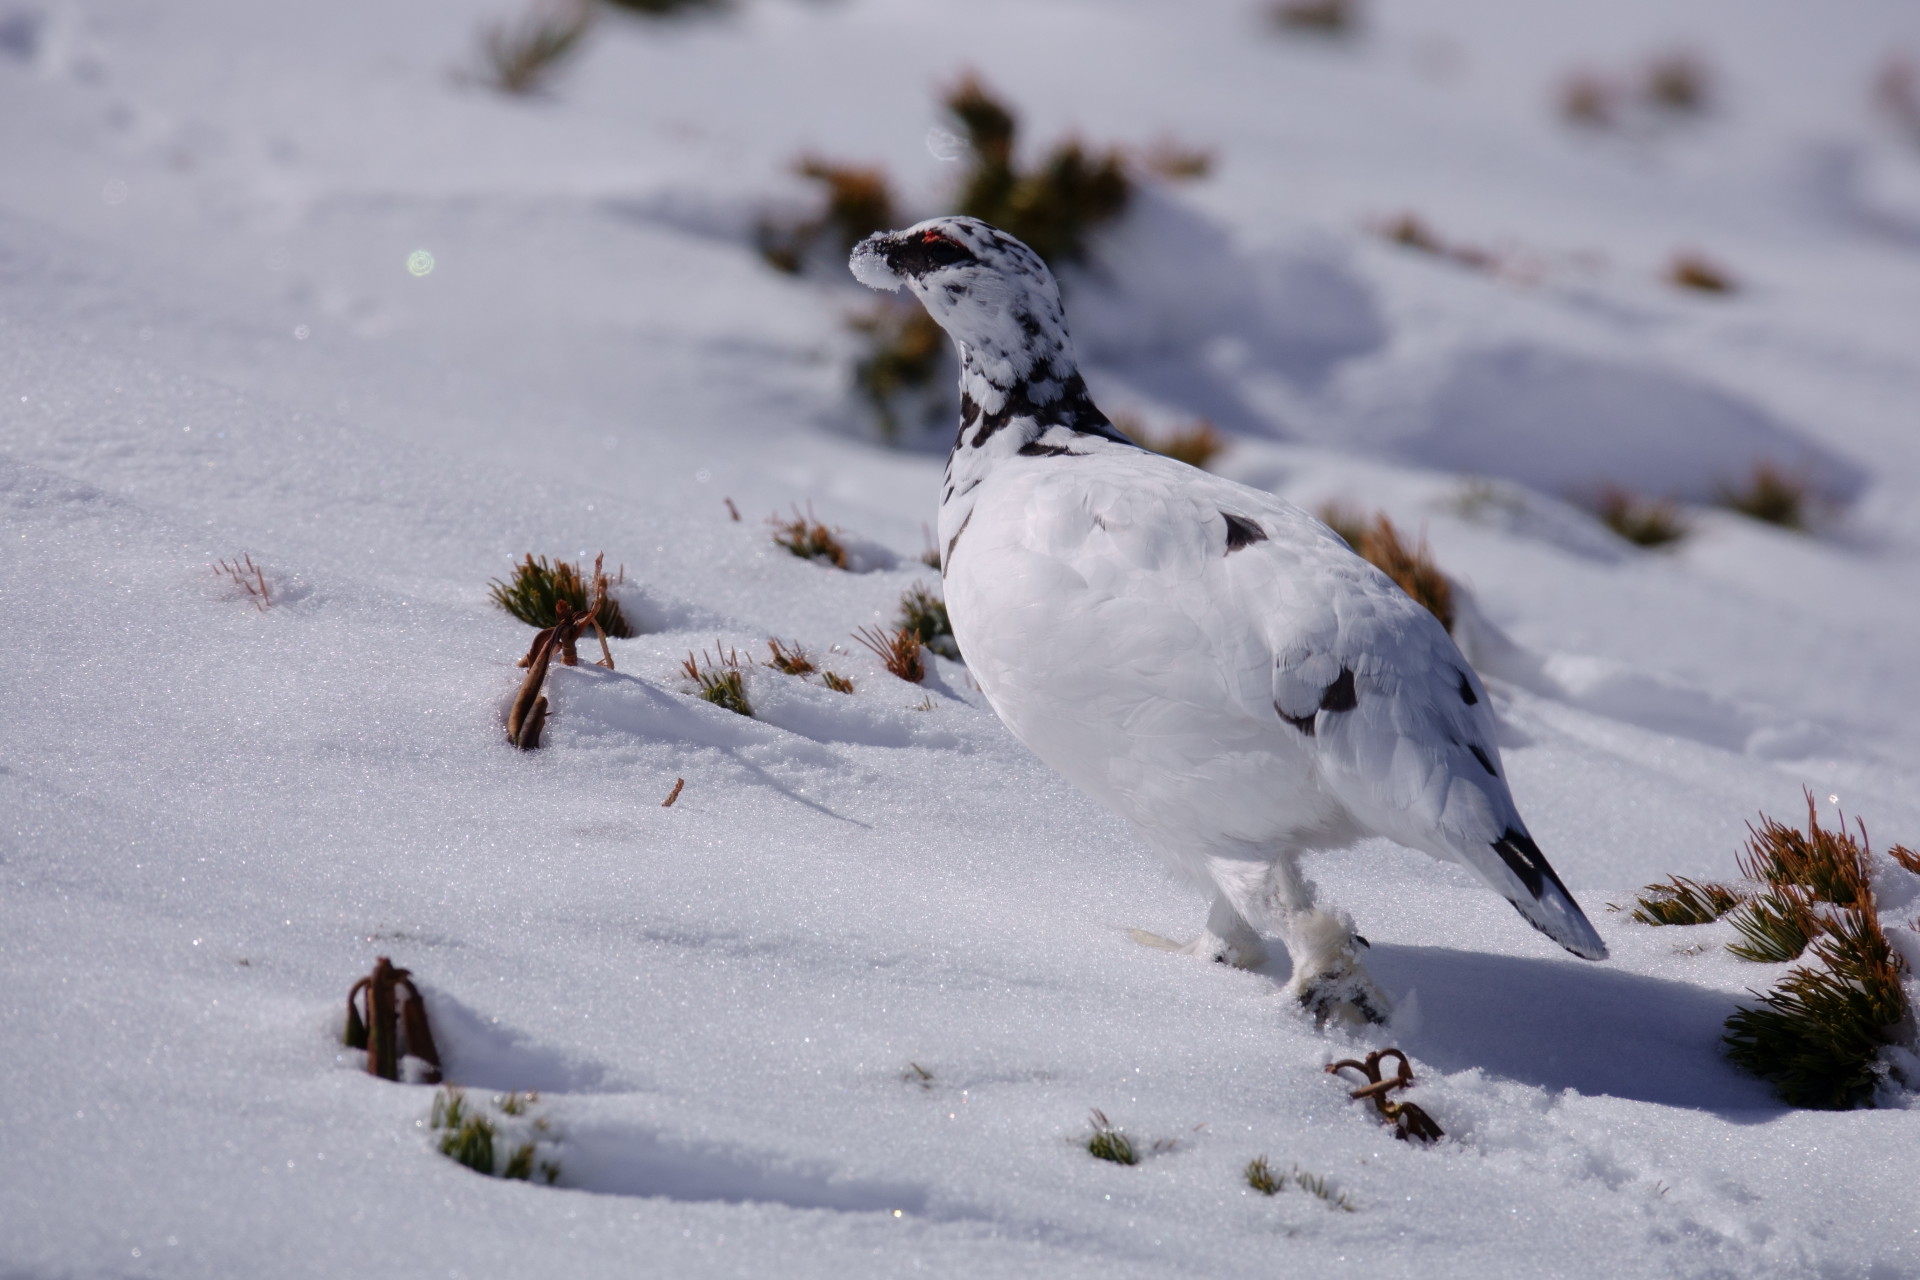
(1818, 1033)
(1684, 901)
(537, 587)
(925, 614)
(1108, 1143)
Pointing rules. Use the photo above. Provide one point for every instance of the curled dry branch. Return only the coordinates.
(1407, 1119)
(387, 1023)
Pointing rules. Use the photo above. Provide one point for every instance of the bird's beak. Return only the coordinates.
(870, 262)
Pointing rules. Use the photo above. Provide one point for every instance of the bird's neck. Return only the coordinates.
(1008, 412)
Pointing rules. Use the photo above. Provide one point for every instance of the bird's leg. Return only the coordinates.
(1328, 979)
(1228, 938)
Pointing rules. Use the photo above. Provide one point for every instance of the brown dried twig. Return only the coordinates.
(387, 1023)
(528, 715)
(673, 794)
(1407, 1119)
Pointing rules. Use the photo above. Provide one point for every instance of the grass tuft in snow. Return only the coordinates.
(1690, 270)
(795, 661)
(925, 615)
(469, 1136)
(248, 577)
(522, 55)
(1316, 17)
(899, 650)
(790, 659)
(1260, 1177)
(1316, 1185)
(1818, 1034)
(808, 538)
(1645, 522)
(1677, 81)
(1683, 901)
(1905, 857)
(1054, 207)
(1410, 231)
(1588, 101)
(537, 587)
(1645, 102)
(719, 679)
(1772, 495)
(1108, 1143)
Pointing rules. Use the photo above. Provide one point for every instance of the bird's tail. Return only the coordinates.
(1542, 901)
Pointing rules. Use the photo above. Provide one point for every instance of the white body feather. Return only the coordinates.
(1205, 658)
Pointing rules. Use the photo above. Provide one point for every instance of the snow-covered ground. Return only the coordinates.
(212, 818)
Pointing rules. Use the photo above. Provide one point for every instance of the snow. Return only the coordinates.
(213, 817)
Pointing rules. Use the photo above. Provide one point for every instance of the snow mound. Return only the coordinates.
(1570, 424)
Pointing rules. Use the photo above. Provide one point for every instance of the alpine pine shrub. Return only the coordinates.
(719, 680)
(899, 650)
(1771, 495)
(1818, 1034)
(859, 202)
(536, 587)
(1684, 901)
(1054, 207)
(809, 539)
(789, 659)
(1641, 521)
(925, 615)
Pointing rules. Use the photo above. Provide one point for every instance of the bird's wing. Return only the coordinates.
(1398, 723)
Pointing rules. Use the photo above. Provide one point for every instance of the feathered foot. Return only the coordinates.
(1328, 979)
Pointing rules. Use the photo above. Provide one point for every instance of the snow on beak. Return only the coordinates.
(869, 262)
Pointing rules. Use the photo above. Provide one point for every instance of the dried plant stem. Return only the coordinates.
(528, 715)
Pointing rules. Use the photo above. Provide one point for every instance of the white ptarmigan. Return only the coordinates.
(1206, 659)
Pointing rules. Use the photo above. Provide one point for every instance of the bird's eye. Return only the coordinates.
(931, 250)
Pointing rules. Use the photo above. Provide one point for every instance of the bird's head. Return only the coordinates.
(992, 294)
